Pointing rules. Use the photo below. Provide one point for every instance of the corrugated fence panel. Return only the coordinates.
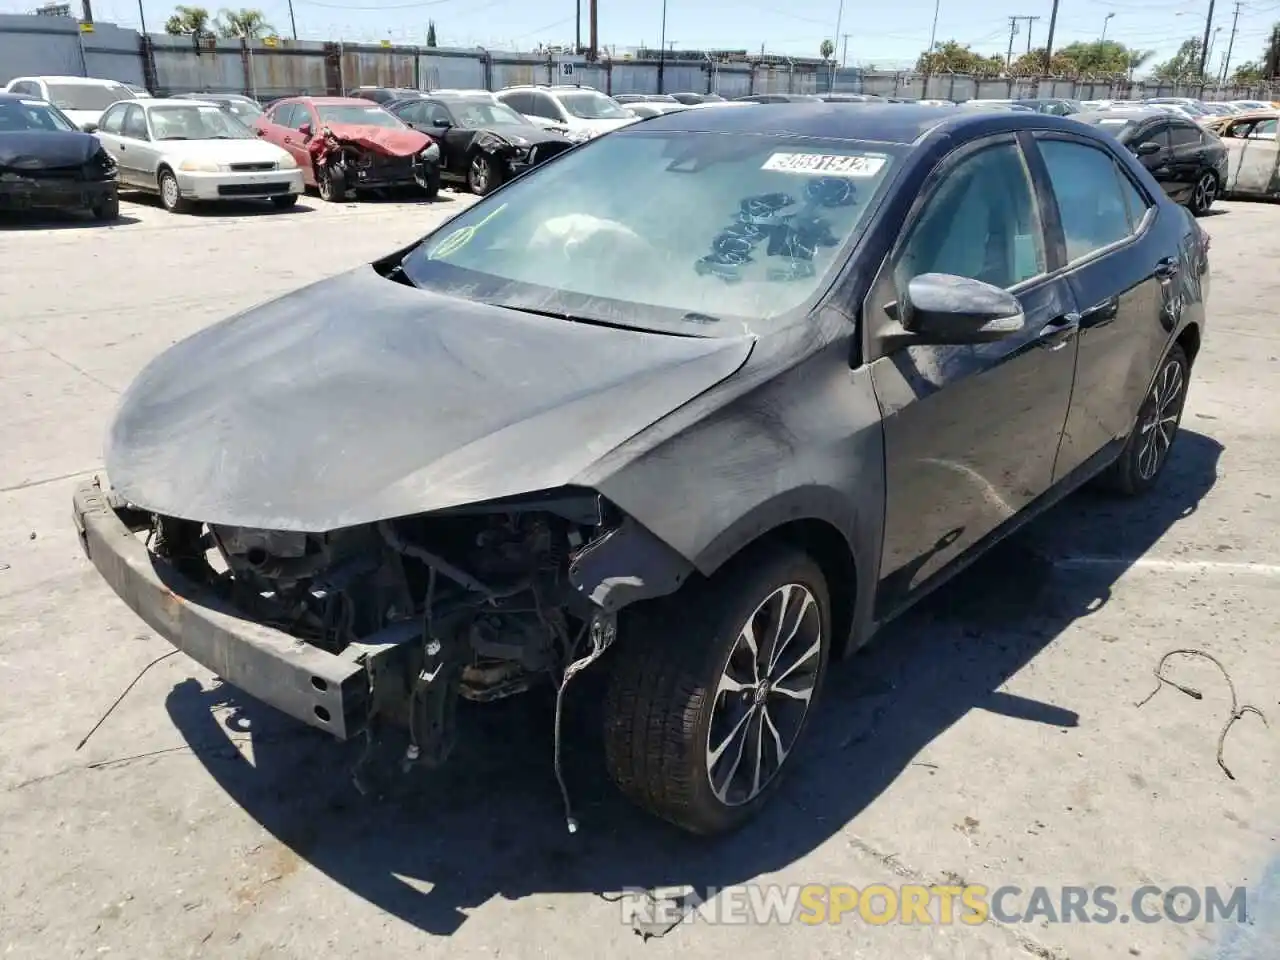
(452, 72)
(730, 83)
(291, 69)
(685, 78)
(378, 68)
(31, 46)
(112, 53)
(634, 78)
(508, 72)
(994, 90)
(179, 69)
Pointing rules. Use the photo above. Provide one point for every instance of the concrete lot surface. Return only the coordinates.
(992, 737)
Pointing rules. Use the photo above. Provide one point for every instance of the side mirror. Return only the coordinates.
(305, 129)
(1147, 149)
(89, 127)
(939, 308)
(441, 123)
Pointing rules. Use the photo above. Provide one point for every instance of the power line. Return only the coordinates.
(1013, 31)
(1226, 61)
(1204, 45)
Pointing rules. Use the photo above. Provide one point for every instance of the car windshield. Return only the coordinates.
(365, 116)
(31, 115)
(763, 224)
(482, 113)
(196, 122)
(87, 96)
(242, 110)
(588, 105)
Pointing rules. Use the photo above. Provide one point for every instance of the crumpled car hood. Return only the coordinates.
(394, 143)
(44, 149)
(360, 399)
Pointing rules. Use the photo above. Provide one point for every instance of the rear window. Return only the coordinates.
(87, 96)
(762, 224)
(370, 116)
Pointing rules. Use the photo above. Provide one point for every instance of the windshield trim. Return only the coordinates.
(500, 292)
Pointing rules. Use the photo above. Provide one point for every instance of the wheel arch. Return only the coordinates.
(1189, 341)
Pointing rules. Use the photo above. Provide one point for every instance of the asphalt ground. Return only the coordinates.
(992, 737)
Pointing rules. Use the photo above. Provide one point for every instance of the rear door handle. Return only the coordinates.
(1058, 332)
(1100, 313)
(1167, 268)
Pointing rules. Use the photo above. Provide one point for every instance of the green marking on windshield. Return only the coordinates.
(460, 238)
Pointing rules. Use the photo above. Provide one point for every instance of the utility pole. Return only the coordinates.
(577, 30)
(293, 24)
(1008, 57)
(1030, 22)
(1048, 47)
(933, 33)
(591, 28)
(844, 51)
(1231, 41)
(1204, 44)
(831, 84)
(662, 46)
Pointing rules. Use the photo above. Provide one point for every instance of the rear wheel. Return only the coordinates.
(712, 691)
(285, 200)
(1203, 194)
(1147, 450)
(170, 196)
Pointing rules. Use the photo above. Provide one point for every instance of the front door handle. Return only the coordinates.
(1167, 268)
(1057, 333)
(1100, 313)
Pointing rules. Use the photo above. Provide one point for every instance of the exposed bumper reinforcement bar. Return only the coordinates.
(328, 691)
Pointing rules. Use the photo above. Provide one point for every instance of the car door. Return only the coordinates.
(132, 142)
(1160, 164)
(1118, 270)
(442, 126)
(1188, 146)
(1256, 158)
(110, 129)
(971, 432)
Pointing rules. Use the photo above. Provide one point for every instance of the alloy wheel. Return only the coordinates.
(763, 694)
(1206, 192)
(1164, 409)
(169, 192)
(479, 174)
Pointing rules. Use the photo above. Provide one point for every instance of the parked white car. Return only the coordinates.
(582, 112)
(189, 150)
(82, 99)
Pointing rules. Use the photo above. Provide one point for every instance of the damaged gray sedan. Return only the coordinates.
(720, 425)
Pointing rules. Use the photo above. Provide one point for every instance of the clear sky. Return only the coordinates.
(888, 34)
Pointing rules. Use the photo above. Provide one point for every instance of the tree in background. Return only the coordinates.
(1248, 73)
(1271, 56)
(827, 49)
(188, 21)
(954, 57)
(243, 23)
(431, 33)
(1075, 60)
(1183, 65)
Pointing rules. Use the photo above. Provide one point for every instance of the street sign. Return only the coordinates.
(386, 43)
(270, 41)
(86, 27)
(566, 69)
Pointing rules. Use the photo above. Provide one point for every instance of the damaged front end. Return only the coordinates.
(388, 622)
(359, 160)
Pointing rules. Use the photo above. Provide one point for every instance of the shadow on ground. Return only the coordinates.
(225, 208)
(59, 220)
(491, 824)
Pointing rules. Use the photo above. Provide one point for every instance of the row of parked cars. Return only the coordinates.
(74, 141)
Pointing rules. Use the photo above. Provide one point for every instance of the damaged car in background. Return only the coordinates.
(707, 453)
(483, 143)
(347, 145)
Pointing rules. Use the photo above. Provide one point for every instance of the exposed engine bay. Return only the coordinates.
(352, 161)
(477, 602)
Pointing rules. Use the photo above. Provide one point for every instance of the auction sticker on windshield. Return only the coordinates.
(832, 165)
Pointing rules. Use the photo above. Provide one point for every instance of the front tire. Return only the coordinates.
(331, 185)
(1145, 454)
(713, 689)
(285, 200)
(108, 209)
(483, 175)
(170, 196)
(1203, 194)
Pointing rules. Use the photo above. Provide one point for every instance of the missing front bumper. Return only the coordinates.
(328, 691)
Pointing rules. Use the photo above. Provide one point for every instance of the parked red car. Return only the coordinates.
(344, 144)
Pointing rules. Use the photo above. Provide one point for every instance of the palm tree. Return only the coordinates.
(244, 23)
(192, 21)
(1137, 58)
(827, 49)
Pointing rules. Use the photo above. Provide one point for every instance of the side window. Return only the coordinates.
(1161, 136)
(301, 114)
(1090, 201)
(1134, 201)
(285, 114)
(1182, 135)
(518, 102)
(112, 120)
(1266, 130)
(27, 88)
(437, 111)
(544, 106)
(135, 124)
(982, 223)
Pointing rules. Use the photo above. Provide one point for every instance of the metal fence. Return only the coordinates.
(271, 68)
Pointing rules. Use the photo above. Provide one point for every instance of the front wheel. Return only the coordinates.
(108, 209)
(1203, 195)
(285, 200)
(331, 184)
(1147, 450)
(483, 175)
(170, 196)
(713, 688)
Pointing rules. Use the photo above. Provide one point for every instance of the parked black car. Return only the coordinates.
(778, 98)
(1188, 161)
(245, 109)
(723, 424)
(46, 162)
(850, 98)
(384, 94)
(483, 143)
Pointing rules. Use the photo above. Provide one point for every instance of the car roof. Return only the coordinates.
(92, 81)
(901, 123)
(332, 101)
(1126, 113)
(168, 102)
